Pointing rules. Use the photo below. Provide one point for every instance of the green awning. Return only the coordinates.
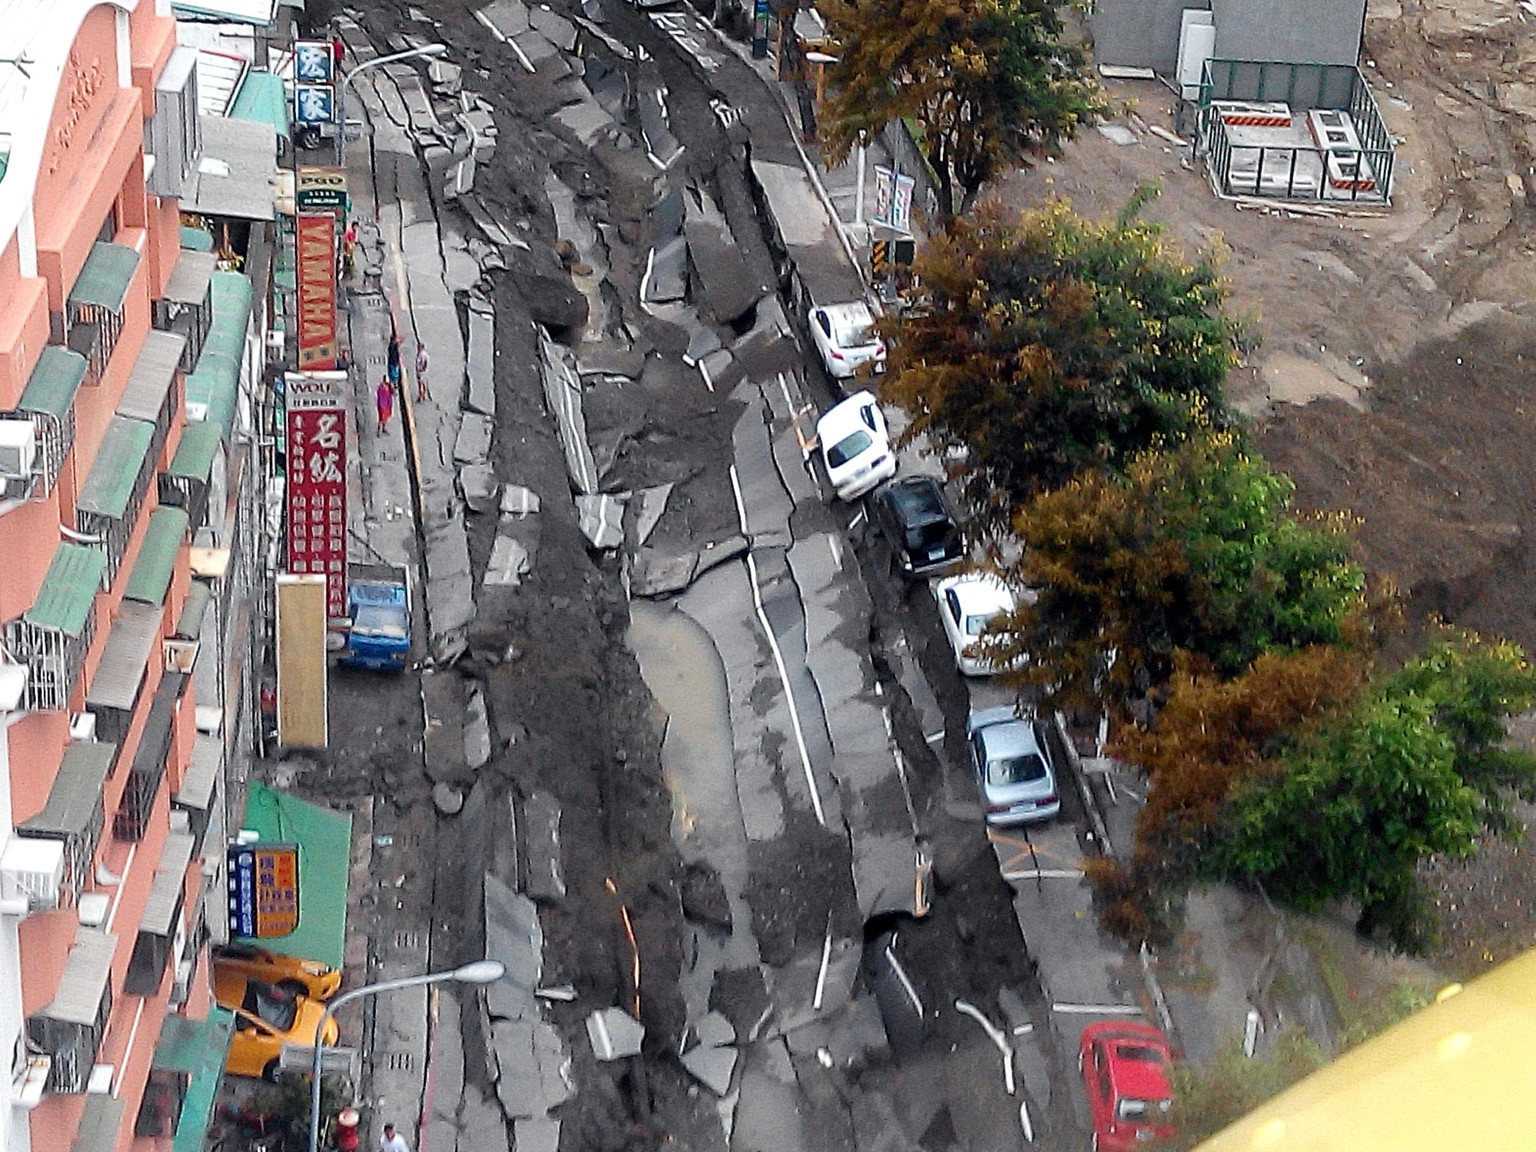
(114, 473)
(69, 589)
(324, 838)
(195, 452)
(52, 386)
(262, 97)
(105, 278)
(196, 1049)
(197, 239)
(215, 382)
(152, 571)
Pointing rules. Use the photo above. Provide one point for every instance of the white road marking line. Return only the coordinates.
(835, 546)
(778, 657)
(935, 737)
(906, 984)
(1097, 1009)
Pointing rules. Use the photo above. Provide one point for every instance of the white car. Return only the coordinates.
(846, 338)
(856, 446)
(967, 604)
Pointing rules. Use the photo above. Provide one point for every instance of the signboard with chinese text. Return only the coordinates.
(314, 104)
(263, 889)
(316, 443)
(313, 61)
(321, 190)
(316, 240)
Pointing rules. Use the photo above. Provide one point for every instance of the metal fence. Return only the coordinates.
(1241, 164)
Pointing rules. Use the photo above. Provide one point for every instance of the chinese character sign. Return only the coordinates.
(317, 482)
(313, 62)
(314, 103)
(263, 889)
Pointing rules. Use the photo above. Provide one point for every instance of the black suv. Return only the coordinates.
(913, 516)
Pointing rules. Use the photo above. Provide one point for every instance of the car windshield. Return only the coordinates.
(1016, 769)
(267, 1003)
(854, 335)
(1133, 1109)
(848, 448)
(378, 622)
(975, 625)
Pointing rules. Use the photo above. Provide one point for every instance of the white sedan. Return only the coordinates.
(846, 339)
(856, 446)
(968, 603)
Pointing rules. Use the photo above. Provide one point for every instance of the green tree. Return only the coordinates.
(1417, 767)
(1192, 550)
(986, 81)
(1055, 346)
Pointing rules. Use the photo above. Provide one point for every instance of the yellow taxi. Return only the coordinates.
(304, 977)
(266, 1018)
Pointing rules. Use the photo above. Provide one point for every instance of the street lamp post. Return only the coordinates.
(476, 972)
(341, 95)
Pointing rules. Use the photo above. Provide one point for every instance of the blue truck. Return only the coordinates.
(379, 615)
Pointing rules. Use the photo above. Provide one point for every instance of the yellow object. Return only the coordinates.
(266, 1018)
(309, 977)
(1456, 1076)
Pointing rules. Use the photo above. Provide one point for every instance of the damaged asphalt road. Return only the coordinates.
(658, 745)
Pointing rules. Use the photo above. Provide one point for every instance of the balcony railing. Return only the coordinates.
(149, 762)
(113, 494)
(54, 661)
(76, 812)
(70, 1028)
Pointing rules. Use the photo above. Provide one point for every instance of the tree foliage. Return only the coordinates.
(1054, 346)
(1193, 550)
(987, 81)
(1415, 768)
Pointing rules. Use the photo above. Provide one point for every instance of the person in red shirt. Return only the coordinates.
(384, 399)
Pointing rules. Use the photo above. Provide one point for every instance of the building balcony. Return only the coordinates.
(70, 1028)
(76, 813)
(155, 946)
(93, 318)
(154, 393)
(48, 405)
(149, 760)
(52, 637)
(186, 309)
(112, 495)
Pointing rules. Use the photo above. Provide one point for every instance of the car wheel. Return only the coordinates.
(269, 1073)
(293, 987)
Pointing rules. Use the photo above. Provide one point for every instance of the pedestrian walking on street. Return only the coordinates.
(384, 398)
(394, 357)
(392, 1141)
(349, 251)
(421, 371)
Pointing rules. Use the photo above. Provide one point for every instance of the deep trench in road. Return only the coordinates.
(677, 827)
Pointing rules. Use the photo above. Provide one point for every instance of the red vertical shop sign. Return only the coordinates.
(317, 481)
(316, 239)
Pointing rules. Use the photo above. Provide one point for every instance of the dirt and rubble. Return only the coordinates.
(1389, 350)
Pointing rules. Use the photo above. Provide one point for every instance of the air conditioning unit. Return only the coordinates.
(100, 1083)
(82, 727)
(197, 411)
(27, 1087)
(31, 870)
(181, 987)
(18, 449)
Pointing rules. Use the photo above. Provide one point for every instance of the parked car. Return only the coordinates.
(307, 977)
(856, 446)
(846, 339)
(1012, 765)
(914, 517)
(266, 1018)
(968, 604)
(1127, 1072)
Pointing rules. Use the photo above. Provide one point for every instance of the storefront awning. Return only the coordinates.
(134, 637)
(119, 461)
(233, 178)
(152, 571)
(324, 838)
(195, 1049)
(262, 97)
(52, 386)
(69, 589)
(153, 374)
(76, 794)
(104, 279)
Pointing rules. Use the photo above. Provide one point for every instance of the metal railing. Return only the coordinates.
(54, 662)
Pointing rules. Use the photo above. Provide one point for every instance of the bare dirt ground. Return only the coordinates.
(1389, 373)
